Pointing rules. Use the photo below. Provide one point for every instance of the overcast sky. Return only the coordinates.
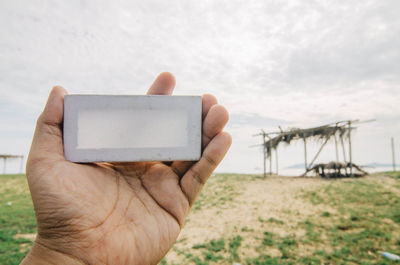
(289, 63)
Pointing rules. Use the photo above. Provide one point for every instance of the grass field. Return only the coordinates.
(249, 220)
(17, 219)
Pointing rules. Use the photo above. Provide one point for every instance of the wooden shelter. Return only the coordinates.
(339, 131)
(6, 157)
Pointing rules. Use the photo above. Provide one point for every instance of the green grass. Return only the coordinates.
(270, 220)
(361, 218)
(234, 245)
(358, 219)
(213, 245)
(394, 174)
(369, 216)
(268, 239)
(16, 217)
(216, 250)
(221, 192)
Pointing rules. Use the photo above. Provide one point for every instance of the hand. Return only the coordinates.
(114, 213)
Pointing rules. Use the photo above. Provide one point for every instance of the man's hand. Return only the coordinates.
(114, 213)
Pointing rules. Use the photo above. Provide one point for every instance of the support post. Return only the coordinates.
(319, 151)
(344, 154)
(336, 149)
(276, 160)
(270, 158)
(350, 156)
(305, 153)
(264, 153)
(393, 155)
(344, 150)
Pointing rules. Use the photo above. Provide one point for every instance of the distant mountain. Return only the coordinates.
(373, 165)
(296, 166)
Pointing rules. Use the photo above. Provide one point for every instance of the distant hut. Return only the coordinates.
(7, 157)
(339, 131)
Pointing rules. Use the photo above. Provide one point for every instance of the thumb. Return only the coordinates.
(47, 143)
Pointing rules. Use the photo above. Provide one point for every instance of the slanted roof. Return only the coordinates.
(324, 132)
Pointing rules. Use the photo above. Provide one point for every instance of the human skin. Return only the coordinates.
(114, 213)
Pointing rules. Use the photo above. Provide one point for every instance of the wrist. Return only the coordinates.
(40, 254)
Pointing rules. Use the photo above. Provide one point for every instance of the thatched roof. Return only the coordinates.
(318, 133)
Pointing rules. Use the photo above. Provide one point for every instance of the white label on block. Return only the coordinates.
(132, 128)
(103, 128)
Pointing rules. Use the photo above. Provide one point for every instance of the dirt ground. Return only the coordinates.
(246, 219)
(258, 200)
(256, 205)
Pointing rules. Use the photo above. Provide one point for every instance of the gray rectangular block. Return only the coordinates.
(103, 128)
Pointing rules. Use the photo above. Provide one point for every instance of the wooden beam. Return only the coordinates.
(319, 151)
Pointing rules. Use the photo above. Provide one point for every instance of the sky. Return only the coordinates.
(270, 63)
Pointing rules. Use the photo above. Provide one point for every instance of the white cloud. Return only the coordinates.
(301, 62)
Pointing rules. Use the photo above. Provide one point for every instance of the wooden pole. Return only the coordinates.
(276, 160)
(270, 158)
(319, 151)
(305, 153)
(343, 149)
(393, 155)
(344, 154)
(336, 148)
(350, 156)
(264, 153)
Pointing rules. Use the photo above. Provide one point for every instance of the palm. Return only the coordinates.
(103, 203)
(120, 213)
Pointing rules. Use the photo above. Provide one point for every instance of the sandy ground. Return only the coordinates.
(251, 202)
(258, 200)
(276, 197)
